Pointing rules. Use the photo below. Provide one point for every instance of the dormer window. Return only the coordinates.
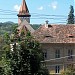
(48, 36)
(70, 36)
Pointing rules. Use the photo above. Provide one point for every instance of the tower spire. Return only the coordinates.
(23, 9)
(23, 13)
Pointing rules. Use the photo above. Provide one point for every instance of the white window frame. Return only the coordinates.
(57, 69)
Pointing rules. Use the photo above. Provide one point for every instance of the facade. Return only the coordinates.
(58, 56)
(57, 41)
(58, 45)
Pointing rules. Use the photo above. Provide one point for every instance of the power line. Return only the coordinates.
(34, 14)
(5, 13)
(38, 18)
(57, 19)
(7, 10)
(10, 12)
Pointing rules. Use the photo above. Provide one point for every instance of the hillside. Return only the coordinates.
(8, 27)
(35, 26)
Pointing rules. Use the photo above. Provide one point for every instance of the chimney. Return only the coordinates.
(46, 23)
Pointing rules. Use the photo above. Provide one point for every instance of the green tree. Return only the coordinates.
(1, 71)
(69, 71)
(4, 61)
(71, 15)
(23, 56)
(14, 28)
(26, 56)
(5, 53)
(6, 38)
(43, 71)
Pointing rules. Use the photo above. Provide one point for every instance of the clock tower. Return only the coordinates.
(23, 13)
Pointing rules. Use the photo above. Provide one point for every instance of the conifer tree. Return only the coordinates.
(71, 15)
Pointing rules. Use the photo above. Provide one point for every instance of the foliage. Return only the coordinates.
(6, 38)
(69, 71)
(22, 56)
(7, 27)
(14, 28)
(5, 64)
(36, 26)
(43, 71)
(4, 49)
(26, 56)
(71, 15)
(1, 45)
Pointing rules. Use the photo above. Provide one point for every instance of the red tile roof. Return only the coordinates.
(24, 9)
(55, 34)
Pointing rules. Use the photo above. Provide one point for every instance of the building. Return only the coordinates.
(23, 13)
(58, 45)
(57, 41)
(24, 19)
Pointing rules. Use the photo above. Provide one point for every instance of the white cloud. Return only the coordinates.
(54, 5)
(16, 7)
(40, 8)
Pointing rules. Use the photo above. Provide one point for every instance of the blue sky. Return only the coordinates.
(42, 7)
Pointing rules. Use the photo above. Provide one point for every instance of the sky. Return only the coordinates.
(55, 11)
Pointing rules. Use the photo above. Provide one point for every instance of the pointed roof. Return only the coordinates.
(25, 25)
(23, 9)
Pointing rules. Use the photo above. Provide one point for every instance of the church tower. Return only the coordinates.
(23, 13)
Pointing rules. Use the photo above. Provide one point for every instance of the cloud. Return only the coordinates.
(40, 8)
(16, 7)
(54, 5)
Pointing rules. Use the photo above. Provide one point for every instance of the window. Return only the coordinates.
(71, 36)
(45, 55)
(57, 69)
(70, 53)
(57, 54)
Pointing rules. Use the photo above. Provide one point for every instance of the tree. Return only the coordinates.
(22, 56)
(6, 38)
(69, 71)
(4, 61)
(26, 56)
(43, 71)
(71, 15)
